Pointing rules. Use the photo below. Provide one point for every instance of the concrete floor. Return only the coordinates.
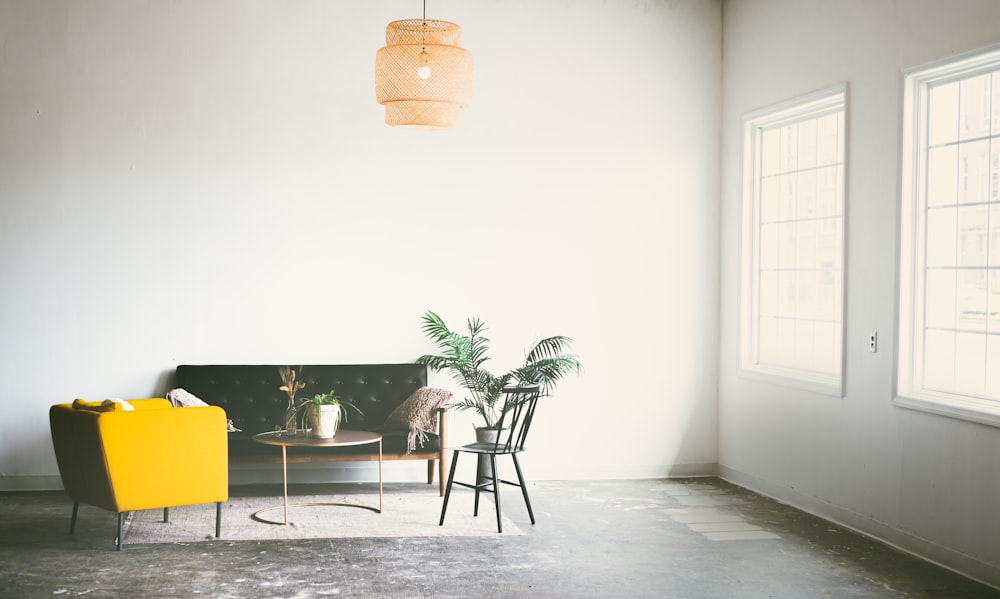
(692, 538)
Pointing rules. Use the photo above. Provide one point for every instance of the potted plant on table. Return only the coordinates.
(464, 356)
(325, 412)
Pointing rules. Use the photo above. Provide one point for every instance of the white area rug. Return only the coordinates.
(403, 515)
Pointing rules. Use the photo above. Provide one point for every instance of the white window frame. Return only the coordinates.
(820, 103)
(910, 391)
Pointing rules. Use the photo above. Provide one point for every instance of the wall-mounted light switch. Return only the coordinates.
(873, 341)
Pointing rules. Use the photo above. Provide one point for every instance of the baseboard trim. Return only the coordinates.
(692, 470)
(31, 483)
(876, 530)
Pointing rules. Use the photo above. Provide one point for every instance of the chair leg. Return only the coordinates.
(121, 522)
(430, 472)
(524, 488)
(72, 521)
(447, 490)
(218, 519)
(442, 463)
(479, 480)
(496, 491)
(166, 515)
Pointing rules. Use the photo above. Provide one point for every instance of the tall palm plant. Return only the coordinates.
(464, 354)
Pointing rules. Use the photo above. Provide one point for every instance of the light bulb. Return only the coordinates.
(424, 72)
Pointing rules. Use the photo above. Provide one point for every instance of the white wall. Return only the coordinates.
(926, 483)
(212, 182)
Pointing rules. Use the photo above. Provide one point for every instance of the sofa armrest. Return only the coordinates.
(166, 457)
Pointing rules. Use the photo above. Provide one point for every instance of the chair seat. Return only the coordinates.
(488, 448)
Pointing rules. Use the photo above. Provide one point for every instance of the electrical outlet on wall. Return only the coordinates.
(873, 341)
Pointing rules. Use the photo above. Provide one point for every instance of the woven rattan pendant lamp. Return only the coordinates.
(422, 76)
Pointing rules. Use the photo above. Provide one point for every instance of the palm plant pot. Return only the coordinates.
(484, 469)
(324, 420)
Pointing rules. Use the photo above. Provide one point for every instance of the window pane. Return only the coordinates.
(769, 293)
(806, 296)
(827, 193)
(941, 236)
(806, 187)
(993, 367)
(972, 300)
(993, 259)
(825, 350)
(827, 249)
(973, 171)
(974, 107)
(787, 244)
(807, 144)
(993, 316)
(943, 114)
(769, 207)
(827, 295)
(805, 258)
(995, 111)
(940, 302)
(770, 150)
(994, 175)
(942, 176)
(970, 364)
(939, 360)
(769, 247)
(972, 227)
(786, 293)
(804, 333)
(788, 185)
(786, 342)
(768, 336)
(828, 129)
(789, 148)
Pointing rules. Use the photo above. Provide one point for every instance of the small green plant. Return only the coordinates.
(327, 399)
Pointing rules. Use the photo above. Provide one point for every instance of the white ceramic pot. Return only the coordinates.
(324, 420)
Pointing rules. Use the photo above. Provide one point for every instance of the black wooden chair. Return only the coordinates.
(515, 420)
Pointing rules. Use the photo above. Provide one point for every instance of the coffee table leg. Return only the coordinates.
(380, 475)
(284, 477)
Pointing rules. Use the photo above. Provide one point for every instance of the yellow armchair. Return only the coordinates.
(155, 456)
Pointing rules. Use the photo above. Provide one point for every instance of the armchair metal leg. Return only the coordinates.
(524, 488)
(166, 515)
(121, 522)
(496, 491)
(447, 489)
(218, 519)
(72, 521)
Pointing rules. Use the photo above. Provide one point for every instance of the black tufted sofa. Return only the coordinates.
(251, 397)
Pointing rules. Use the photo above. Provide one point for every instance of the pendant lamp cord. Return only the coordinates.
(425, 12)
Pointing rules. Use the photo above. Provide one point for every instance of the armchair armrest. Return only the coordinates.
(166, 457)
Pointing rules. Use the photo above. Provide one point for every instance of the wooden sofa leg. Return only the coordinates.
(430, 472)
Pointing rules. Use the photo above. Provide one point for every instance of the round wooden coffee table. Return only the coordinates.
(343, 438)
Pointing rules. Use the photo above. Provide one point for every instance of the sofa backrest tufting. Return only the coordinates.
(252, 398)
